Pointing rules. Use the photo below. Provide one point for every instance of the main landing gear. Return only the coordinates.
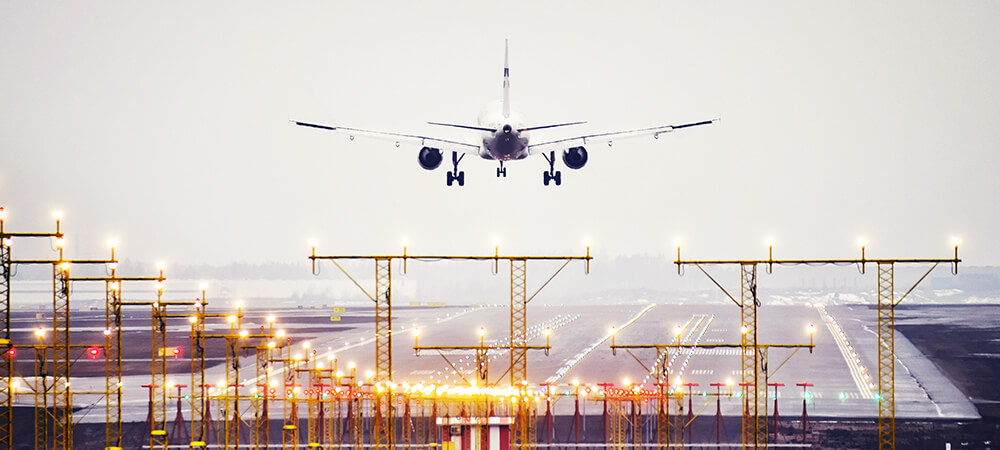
(455, 174)
(552, 174)
(501, 172)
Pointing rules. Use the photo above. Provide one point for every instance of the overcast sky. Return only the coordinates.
(166, 125)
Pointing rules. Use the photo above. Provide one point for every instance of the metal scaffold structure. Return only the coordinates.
(754, 356)
(344, 410)
(6, 344)
(384, 404)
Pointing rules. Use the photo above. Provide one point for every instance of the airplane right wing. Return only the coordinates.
(610, 137)
(423, 141)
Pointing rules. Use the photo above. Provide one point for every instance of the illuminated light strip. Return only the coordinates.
(690, 350)
(281, 371)
(852, 364)
(554, 323)
(569, 365)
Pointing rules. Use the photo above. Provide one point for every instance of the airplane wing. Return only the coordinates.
(609, 138)
(423, 141)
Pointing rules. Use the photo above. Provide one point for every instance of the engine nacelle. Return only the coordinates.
(430, 158)
(575, 157)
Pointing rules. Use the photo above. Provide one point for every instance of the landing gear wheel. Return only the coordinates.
(501, 172)
(558, 178)
(451, 178)
(548, 176)
(461, 178)
(545, 178)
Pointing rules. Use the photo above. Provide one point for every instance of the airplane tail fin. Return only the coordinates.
(506, 81)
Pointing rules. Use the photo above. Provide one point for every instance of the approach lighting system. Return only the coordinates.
(93, 352)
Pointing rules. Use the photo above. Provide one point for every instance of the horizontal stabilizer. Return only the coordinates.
(549, 126)
(467, 127)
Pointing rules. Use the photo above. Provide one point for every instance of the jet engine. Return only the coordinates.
(575, 157)
(430, 158)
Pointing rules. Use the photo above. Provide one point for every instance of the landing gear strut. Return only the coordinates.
(552, 174)
(455, 174)
(501, 172)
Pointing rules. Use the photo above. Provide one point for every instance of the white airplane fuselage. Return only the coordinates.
(506, 143)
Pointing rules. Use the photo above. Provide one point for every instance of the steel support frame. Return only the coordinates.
(886, 358)
(231, 391)
(522, 426)
(616, 425)
(383, 404)
(261, 435)
(6, 362)
(113, 365)
(41, 389)
(754, 420)
(313, 430)
(158, 386)
(62, 403)
(290, 426)
(198, 425)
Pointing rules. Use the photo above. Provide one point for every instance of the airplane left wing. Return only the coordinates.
(423, 141)
(609, 138)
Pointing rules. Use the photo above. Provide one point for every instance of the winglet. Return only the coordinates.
(506, 81)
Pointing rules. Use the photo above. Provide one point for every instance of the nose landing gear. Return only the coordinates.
(501, 171)
(552, 174)
(455, 174)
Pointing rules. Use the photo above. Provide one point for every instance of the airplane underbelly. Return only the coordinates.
(506, 148)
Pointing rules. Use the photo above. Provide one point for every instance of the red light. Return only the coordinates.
(12, 353)
(94, 352)
(177, 351)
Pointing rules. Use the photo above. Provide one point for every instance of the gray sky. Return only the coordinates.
(166, 126)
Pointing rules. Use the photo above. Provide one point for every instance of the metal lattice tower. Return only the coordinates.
(384, 435)
(158, 385)
(198, 428)
(261, 435)
(518, 321)
(886, 358)
(6, 363)
(312, 421)
(41, 388)
(113, 364)
(290, 427)
(616, 425)
(62, 402)
(383, 319)
(231, 391)
(754, 423)
(354, 412)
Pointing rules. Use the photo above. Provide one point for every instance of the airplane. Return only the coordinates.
(504, 137)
